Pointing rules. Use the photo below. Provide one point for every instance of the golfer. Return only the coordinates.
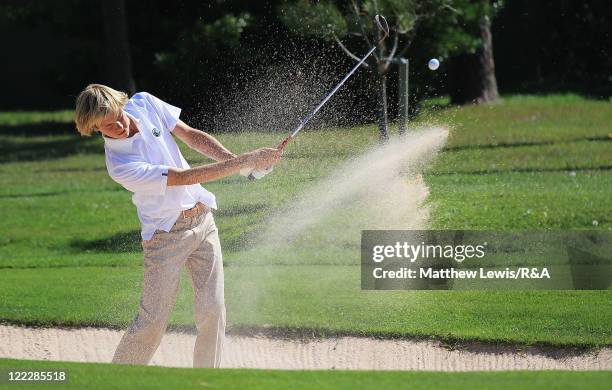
(174, 210)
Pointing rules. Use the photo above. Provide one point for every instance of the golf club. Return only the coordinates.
(383, 27)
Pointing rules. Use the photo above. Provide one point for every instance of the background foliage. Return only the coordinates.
(195, 52)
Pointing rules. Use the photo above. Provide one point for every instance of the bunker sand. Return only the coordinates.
(348, 353)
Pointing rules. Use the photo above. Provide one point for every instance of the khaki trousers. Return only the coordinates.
(193, 242)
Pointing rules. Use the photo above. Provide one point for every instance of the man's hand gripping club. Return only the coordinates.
(262, 166)
(257, 160)
(258, 173)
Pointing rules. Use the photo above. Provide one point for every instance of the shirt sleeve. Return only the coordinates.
(140, 177)
(168, 114)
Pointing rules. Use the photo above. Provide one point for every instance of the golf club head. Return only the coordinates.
(382, 25)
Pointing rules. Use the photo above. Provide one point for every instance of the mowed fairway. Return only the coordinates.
(70, 251)
(105, 376)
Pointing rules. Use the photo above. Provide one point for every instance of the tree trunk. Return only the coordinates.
(117, 60)
(473, 75)
(382, 107)
(489, 90)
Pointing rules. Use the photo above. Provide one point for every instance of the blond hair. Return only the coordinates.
(94, 103)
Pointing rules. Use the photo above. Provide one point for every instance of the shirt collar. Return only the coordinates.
(123, 144)
(132, 117)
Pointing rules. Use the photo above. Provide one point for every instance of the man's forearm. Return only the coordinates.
(206, 173)
(209, 146)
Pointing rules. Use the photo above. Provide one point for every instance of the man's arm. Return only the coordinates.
(205, 173)
(258, 159)
(202, 142)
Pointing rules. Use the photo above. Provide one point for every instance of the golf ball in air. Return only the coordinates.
(433, 64)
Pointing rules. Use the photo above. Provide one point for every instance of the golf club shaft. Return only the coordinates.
(384, 27)
(325, 99)
(329, 95)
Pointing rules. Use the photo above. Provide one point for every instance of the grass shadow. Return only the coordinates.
(122, 242)
(247, 238)
(75, 169)
(46, 149)
(39, 129)
(521, 144)
(478, 172)
(241, 209)
(57, 193)
(240, 243)
(43, 141)
(34, 195)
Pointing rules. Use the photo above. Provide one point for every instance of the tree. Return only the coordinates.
(335, 21)
(117, 59)
(208, 56)
(473, 73)
(448, 25)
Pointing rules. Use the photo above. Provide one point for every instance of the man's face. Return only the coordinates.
(114, 126)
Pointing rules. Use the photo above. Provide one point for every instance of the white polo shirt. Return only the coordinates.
(140, 164)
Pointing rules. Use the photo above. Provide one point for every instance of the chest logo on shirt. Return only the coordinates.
(156, 132)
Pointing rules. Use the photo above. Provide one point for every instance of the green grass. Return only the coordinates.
(322, 300)
(526, 119)
(523, 200)
(96, 376)
(528, 163)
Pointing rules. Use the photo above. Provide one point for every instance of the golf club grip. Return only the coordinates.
(282, 145)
